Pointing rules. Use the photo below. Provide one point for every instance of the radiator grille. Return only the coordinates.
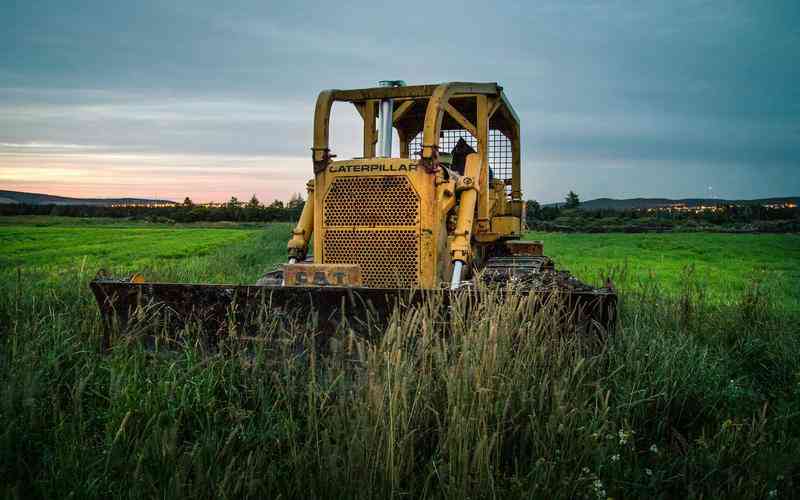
(387, 200)
(388, 259)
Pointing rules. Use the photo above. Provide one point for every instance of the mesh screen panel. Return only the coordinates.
(500, 154)
(388, 259)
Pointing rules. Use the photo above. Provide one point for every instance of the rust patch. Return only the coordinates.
(522, 248)
(322, 275)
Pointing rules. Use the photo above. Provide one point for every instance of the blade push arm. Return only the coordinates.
(298, 245)
(461, 248)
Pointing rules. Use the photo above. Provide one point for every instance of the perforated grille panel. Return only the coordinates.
(387, 200)
(500, 154)
(388, 259)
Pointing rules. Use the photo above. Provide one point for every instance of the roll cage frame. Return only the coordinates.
(474, 107)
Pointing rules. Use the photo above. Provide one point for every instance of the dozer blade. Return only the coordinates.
(221, 311)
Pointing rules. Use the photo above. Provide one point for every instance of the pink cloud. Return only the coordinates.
(171, 176)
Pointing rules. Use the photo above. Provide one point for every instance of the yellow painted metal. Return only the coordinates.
(404, 139)
(437, 99)
(484, 201)
(531, 248)
(433, 121)
(494, 105)
(383, 214)
(322, 275)
(401, 110)
(469, 187)
(506, 225)
(390, 216)
(461, 119)
(369, 112)
(301, 235)
(516, 181)
(322, 119)
(414, 91)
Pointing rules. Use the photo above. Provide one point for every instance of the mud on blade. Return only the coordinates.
(134, 307)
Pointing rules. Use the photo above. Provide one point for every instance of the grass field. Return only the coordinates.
(51, 245)
(725, 265)
(696, 395)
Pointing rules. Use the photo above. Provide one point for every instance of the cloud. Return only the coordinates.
(47, 145)
(172, 110)
(203, 177)
(666, 94)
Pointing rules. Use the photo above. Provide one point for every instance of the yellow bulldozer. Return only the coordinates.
(442, 216)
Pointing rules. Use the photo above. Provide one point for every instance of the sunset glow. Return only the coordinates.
(183, 99)
(163, 176)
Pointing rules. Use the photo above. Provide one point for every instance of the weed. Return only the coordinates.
(692, 396)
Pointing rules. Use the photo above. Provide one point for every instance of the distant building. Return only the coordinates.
(785, 204)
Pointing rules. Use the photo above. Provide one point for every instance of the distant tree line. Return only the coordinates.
(234, 210)
(566, 215)
(723, 214)
(569, 215)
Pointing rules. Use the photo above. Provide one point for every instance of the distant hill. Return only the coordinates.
(48, 199)
(639, 203)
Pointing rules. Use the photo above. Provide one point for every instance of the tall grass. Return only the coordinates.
(689, 398)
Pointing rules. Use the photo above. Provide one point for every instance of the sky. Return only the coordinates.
(207, 99)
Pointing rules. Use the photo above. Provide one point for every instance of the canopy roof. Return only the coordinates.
(421, 108)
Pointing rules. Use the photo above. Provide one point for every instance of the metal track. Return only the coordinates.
(533, 274)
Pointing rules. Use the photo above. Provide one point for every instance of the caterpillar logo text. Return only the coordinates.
(322, 275)
(374, 167)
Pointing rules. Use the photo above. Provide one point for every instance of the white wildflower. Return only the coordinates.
(648, 472)
(615, 457)
(585, 470)
(654, 448)
(772, 494)
(624, 436)
(599, 490)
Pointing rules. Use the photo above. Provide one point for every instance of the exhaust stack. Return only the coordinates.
(385, 119)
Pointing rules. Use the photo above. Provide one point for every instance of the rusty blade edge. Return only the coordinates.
(118, 299)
